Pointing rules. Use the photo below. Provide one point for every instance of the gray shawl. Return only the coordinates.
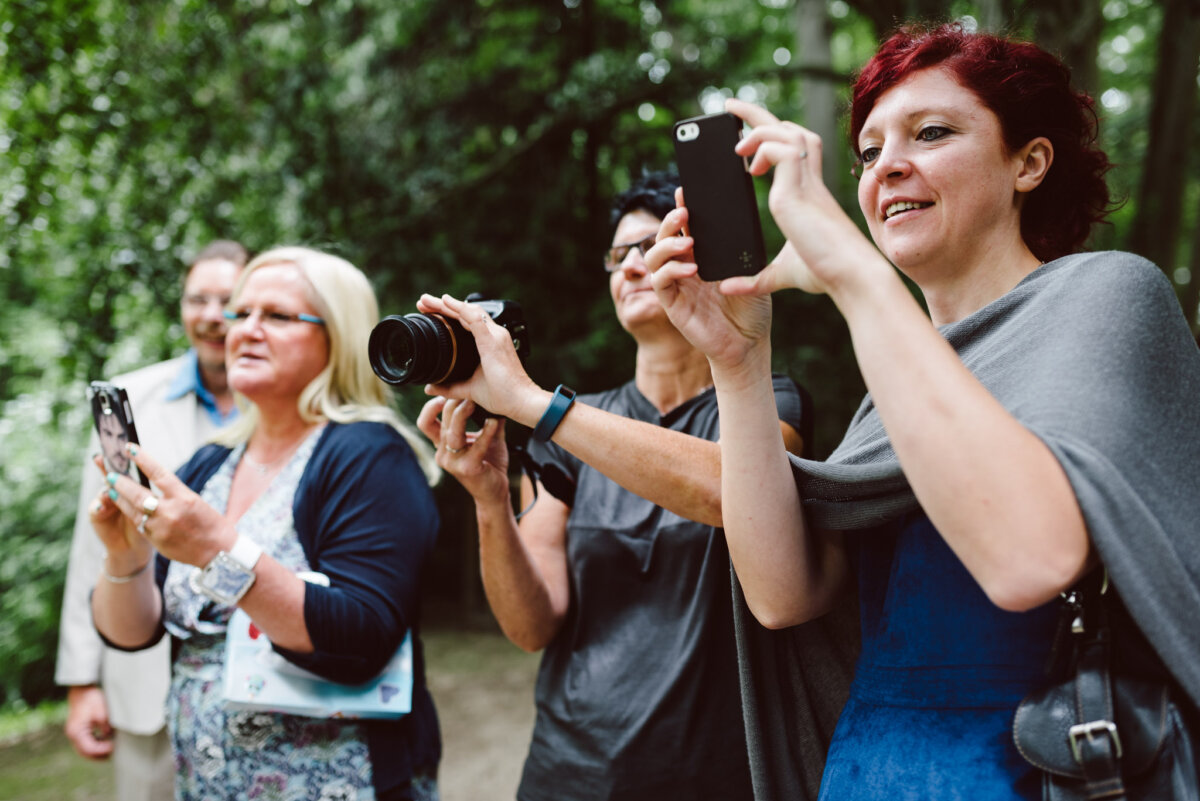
(1091, 354)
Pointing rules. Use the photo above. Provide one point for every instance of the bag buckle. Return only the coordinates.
(1090, 730)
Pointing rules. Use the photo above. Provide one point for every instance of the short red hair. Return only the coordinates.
(1030, 92)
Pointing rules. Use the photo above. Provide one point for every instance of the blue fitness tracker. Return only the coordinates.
(564, 396)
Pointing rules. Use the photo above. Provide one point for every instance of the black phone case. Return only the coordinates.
(108, 398)
(719, 194)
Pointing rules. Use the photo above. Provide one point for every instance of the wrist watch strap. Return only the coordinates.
(564, 396)
(245, 552)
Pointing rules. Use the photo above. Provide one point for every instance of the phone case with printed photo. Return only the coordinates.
(113, 419)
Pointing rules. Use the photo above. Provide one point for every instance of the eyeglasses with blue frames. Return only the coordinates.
(617, 254)
(271, 319)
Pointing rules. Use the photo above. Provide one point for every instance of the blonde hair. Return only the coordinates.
(347, 390)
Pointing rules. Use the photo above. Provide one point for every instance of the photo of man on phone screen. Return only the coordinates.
(113, 438)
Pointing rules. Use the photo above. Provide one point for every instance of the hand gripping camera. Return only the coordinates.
(432, 349)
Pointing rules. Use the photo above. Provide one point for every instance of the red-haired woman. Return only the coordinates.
(1041, 423)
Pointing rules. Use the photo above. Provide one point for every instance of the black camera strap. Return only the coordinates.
(552, 478)
(531, 470)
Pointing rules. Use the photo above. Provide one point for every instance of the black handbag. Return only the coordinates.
(1096, 735)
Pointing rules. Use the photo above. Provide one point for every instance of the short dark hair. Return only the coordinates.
(1030, 93)
(221, 250)
(654, 192)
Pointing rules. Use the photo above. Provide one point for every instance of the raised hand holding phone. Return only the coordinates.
(723, 327)
(824, 246)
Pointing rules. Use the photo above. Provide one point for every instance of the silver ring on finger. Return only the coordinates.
(141, 526)
(454, 450)
(804, 155)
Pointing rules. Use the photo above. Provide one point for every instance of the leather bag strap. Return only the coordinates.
(1094, 739)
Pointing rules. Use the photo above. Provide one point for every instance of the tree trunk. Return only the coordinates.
(887, 15)
(1190, 295)
(818, 96)
(1155, 232)
(994, 15)
(1071, 30)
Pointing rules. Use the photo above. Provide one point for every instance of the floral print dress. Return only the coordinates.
(225, 754)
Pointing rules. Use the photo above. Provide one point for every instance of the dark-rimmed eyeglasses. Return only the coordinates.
(272, 319)
(617, 254)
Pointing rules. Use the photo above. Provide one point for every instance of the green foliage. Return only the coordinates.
(442, 147)
(40, 473)
(17, 724)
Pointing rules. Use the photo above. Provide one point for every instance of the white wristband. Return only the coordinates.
(245, 552)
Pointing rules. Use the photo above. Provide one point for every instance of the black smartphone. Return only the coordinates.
(114, 425)
(718, 191)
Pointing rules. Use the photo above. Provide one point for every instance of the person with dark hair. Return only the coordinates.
(113, 439)
(619, 569)
(177, 404)
(1037, 427)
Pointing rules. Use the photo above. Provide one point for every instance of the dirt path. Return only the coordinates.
(483, 688)
(481, 683)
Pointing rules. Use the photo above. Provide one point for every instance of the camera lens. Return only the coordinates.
(421, 348)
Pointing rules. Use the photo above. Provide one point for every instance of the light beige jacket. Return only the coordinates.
(135, 684)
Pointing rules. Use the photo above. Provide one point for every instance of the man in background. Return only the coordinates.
(115, 699)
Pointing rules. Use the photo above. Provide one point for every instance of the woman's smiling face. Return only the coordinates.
(937, 180)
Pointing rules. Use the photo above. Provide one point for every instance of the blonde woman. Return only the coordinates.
(318, 474)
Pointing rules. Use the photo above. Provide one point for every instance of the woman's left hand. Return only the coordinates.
(478, 459)
(825, 250)
(178, 523)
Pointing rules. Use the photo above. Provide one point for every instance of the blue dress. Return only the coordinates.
(938, 680)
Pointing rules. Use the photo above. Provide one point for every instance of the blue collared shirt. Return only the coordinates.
(188, 380)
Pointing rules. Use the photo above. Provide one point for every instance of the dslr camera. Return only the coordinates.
(432, 349)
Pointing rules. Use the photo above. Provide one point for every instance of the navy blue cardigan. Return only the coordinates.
(366, 518)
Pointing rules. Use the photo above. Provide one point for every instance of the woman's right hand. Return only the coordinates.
(723, 327)
(500, 383)
(478, 459)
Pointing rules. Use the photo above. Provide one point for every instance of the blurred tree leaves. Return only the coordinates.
(442, 147)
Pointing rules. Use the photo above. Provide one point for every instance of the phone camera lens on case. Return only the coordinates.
(687, 132)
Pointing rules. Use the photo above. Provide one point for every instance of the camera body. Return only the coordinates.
(432, 349)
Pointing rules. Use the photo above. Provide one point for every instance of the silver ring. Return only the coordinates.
(141, 526)
(454, 450)
(150, 505)
(804, 155)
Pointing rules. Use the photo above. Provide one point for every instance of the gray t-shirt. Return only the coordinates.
(637, 696)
